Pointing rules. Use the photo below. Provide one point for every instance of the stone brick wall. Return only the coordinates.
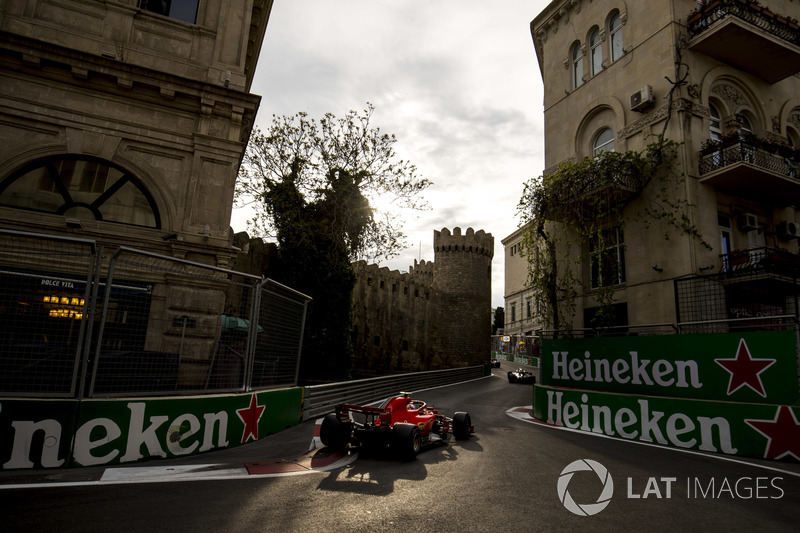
(462, 277)
(435, 316)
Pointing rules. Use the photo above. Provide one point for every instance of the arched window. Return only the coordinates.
(577, 65)
(596, 47)
(744, 122)
(715, 126)
(794, 137)
(615, 31)
(80, 187)
(794, 142)
(604, 142)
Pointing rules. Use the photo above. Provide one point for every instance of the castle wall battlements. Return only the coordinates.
(473, 241)
(433, 316)
(421, 274)
(422, 270)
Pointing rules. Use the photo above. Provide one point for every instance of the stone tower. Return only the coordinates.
(462, 279)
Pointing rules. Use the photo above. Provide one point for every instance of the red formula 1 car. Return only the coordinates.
(400, 424)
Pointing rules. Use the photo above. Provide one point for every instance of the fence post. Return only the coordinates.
(85, 350)
(252, 340)
(300, 343)
(103, 316)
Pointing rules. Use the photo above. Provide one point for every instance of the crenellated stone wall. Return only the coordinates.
(463, 280)
(437, 315)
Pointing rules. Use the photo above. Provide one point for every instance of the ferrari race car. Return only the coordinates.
(521, 376)
(400, 425)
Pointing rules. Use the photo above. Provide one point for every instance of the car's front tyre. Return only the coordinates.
(462, 425)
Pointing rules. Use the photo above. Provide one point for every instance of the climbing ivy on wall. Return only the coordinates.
(577, 215)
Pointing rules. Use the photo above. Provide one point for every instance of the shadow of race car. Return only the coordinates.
(400, 425)
(521, 376)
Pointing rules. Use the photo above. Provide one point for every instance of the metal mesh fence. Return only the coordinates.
(521, 345)
(144, 324)
(169, 325)
(281, 316)
(737, 300)
(175, 325)
(630, 330)
(45, 297)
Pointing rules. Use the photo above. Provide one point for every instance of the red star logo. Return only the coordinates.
(745, 370)
(783, 434)
(250, 416)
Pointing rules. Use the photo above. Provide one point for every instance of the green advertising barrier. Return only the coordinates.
(36, 433)
(532, 361)
(753, 430)
(758, 366)
(104, 432)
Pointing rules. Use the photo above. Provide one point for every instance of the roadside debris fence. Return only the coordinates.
(728, 325)
(516, 345)
(76, 322)
(44, 309)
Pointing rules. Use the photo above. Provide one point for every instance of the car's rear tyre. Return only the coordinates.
(462, 425)
(406, 441)
(511, 377)
(334, 433)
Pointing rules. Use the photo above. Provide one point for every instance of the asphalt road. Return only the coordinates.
(503, 479)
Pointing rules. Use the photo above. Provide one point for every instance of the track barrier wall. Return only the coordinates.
(65, 433)
(734, 393)
(117, 355)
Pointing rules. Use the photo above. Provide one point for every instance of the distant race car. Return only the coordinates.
(495, 363)
(521, 376)
(400, 424)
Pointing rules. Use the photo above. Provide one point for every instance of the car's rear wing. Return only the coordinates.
(366, 409)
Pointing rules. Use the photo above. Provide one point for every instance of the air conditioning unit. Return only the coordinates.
(788, 230)
(642, 99)
(748, 222)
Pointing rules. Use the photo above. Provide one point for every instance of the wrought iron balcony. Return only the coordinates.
(743, 169)
(747, 35)
(596, 200)
(775, 261)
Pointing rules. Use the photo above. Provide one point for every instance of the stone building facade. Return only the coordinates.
(124, 122)
(608, 68)
(437, 315)
(109, 90)
(522, 312)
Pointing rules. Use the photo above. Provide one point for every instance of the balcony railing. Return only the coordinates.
(761, 260)
(747, 35)
(596, 200)
(751, 12)
(746, 152)
(743, 168)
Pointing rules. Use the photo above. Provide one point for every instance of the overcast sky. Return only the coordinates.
(455, 80)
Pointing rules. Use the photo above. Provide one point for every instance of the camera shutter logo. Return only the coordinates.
(587, 509)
